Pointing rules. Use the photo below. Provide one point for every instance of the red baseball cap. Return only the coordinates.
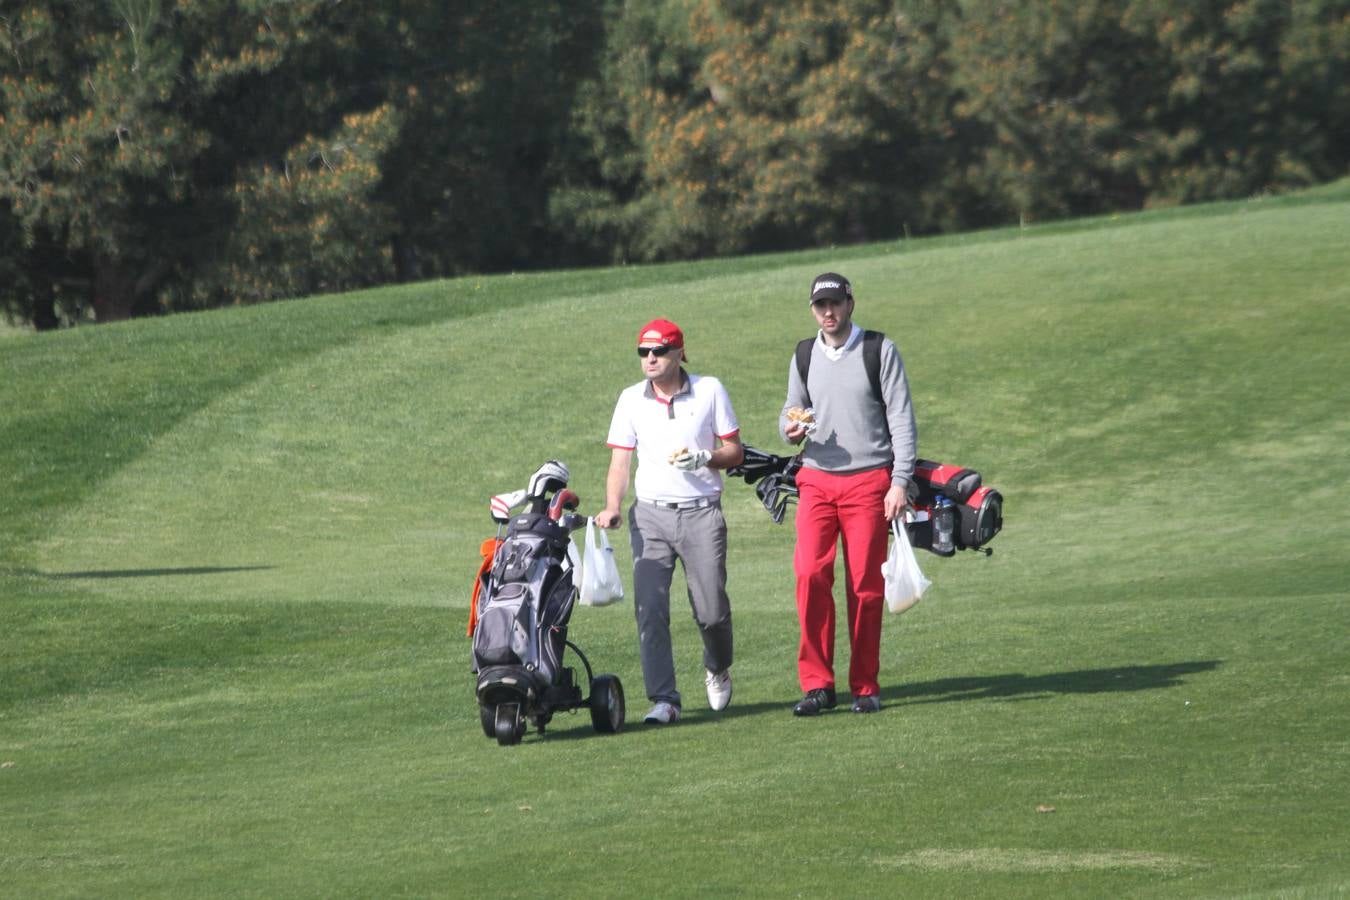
(662, 331)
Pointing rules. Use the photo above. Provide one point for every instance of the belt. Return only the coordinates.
(700, 503)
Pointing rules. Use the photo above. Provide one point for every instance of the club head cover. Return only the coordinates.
(757, 464)
(551, 476)
(502, 504)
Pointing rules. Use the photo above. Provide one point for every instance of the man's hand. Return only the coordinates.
(690, 460)
(801, 422)
(608, 518)
(895, 502)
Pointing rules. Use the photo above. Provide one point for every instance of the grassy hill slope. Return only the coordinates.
(236, 549)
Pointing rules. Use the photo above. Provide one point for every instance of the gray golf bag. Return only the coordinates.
(525, 602)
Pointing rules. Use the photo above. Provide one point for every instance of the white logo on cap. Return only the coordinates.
(827, 284)
(651, 335)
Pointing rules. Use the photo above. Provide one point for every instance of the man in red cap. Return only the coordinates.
(848, 399)
(683, 429)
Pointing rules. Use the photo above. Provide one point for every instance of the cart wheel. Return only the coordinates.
(509, 724)
(487, 717)
(607, 704)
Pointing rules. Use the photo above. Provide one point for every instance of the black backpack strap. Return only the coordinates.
(871, 362)
(804, 365)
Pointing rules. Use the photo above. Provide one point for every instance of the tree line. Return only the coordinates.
(160, 155)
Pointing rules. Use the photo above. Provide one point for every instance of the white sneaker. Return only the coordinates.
(719, 689)
(662, 713)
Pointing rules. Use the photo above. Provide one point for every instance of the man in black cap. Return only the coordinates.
(848, 399)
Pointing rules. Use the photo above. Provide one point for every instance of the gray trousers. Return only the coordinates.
(698, 539)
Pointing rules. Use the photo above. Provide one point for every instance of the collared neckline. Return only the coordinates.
(837, 353)
(686, 390)
(686, 386)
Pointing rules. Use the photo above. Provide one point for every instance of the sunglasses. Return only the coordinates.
(658, 352)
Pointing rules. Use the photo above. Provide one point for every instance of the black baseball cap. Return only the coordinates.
(831, 286)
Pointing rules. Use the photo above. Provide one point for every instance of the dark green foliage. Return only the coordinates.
(158, 156)
(175, 156)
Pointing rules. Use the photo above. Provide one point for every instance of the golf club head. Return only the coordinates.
(776, 492)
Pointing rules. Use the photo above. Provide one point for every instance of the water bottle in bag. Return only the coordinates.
(944, 526)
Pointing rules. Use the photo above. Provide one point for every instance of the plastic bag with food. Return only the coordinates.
(806, 417)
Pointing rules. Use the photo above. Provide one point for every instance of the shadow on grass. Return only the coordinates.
(1012, 686)
(1016, 686)
(154, 573)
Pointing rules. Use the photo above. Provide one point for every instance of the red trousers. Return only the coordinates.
(829, 507)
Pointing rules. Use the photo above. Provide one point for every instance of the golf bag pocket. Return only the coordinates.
(502, 637)
(515, 559)
(919, 526)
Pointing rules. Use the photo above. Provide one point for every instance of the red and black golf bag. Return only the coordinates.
(952, 509)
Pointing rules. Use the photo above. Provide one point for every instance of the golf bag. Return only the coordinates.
(954, 510)
(525, 602)
(950, 507)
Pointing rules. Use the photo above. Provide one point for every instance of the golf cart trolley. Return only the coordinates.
(951, 511)
(525, 599)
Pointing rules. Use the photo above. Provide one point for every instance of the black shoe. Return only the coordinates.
(814, 701)
(867, 704)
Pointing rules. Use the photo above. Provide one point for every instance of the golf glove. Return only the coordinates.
(690, 460)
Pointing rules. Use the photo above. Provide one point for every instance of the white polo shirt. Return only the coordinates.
(694, 418)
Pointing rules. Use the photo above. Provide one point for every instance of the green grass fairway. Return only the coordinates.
(236, 550)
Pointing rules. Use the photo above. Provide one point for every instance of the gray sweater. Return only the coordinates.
(854, 432)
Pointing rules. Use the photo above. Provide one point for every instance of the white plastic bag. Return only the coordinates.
(574, 557)
(600, 582)
(905, 584)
